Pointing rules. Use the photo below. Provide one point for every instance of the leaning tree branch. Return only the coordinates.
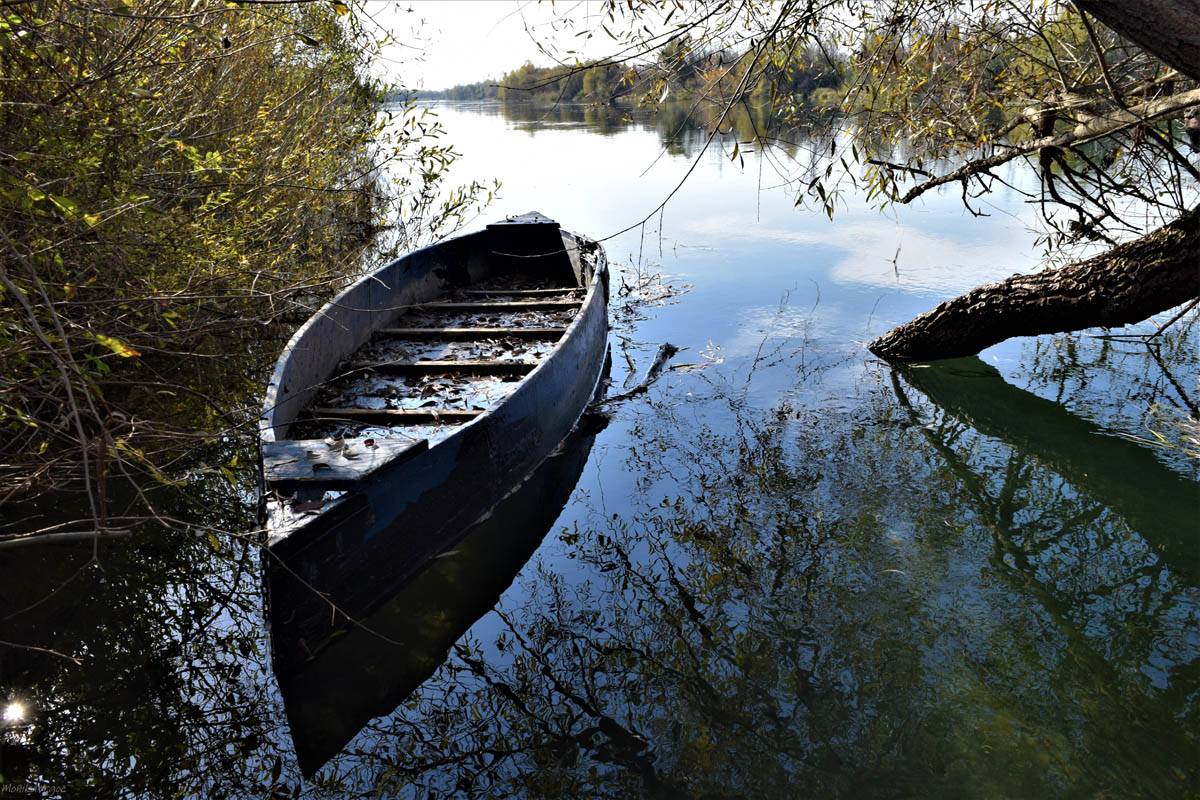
(1124, 285)
(1094, 127)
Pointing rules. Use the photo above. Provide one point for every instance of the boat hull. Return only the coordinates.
(383, 529)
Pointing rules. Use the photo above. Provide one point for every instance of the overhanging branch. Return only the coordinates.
(1094, 127)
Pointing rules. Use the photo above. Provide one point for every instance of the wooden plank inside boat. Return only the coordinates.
(399, 416)
(501, 305)
(498, 367)
(520, 292)
(332, 462)
(469, 334)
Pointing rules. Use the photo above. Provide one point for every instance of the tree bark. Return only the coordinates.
(1124, 285)
(1168, 29)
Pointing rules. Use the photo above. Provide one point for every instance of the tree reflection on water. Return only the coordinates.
(941, 584)
(888, 603)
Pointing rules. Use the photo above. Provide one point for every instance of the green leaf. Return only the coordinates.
(116, 345)
(68, 207)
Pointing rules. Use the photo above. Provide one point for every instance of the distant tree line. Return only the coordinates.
(810, 77)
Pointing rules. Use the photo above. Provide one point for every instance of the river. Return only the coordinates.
(786, 570)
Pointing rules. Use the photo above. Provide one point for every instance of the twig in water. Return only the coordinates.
(666, 351)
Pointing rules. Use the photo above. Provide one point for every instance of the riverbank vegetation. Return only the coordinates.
(173, 185)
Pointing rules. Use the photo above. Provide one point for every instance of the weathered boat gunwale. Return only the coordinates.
(364, 545)
(269, 422)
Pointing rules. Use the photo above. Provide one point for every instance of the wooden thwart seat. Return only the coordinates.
(468, 334)
(435, 367)
(332, 463)
(520, 292)
(398, 416)
(503, 305)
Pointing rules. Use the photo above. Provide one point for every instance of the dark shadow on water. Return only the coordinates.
(366, 668)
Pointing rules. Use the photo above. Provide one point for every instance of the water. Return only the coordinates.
(787, 570)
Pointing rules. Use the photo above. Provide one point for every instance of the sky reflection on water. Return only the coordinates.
(788, 570)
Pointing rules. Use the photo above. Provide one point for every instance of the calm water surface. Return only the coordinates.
(786, 571)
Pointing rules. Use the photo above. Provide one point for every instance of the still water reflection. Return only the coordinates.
(787, 570)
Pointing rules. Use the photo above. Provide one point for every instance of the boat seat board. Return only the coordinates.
(498, 367)
(468, 334)
(503, 305)
(520, 292)
(399, 416)
(321, 462)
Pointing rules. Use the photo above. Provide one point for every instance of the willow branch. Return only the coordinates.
(1096, 127)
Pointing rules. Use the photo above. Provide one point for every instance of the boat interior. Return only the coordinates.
(442, 363)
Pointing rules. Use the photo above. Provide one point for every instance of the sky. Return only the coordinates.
(465, 41)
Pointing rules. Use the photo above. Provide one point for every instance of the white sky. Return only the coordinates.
(465, 41)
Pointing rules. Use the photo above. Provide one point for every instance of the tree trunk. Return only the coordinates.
(1168, 29)
(1124, 285)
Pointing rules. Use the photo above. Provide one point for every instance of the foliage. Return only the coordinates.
(592, 82)
(933, 95)
(171, 185)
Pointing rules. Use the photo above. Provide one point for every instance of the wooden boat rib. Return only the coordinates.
(450, 373)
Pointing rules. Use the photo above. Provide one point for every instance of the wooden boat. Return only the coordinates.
(414, 401)
(365, 668)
